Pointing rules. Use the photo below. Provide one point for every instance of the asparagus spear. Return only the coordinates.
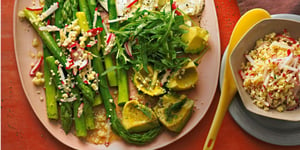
(84, 8)
(58, 16)
(50, 90)
(74, 7)
(111, 112)
(116, 124)
(56, 51)
(123, 94)
(108, 100)
(66, 116)
(111, 75)
(67, 12)
(79, 119)
(96, 61)
(89, 115)
(92, 4)
(65, 108)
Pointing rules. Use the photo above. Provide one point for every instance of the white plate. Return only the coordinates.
(203, 93)
(274, 131)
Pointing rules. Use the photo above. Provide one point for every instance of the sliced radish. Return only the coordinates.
(109, 43)
(37, 65)
(70, 99)
(118, 19)
(35, 9)
(128, 48)
(131, 4)
(174, 6)
(49, 28)
(83, 64)
(95, 17)
(61, 73)
(94, 31)
(92, 43)
(165, 77)
(49, 11)
(69, 64)
(80, 110)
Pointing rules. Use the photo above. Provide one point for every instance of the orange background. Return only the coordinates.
(21, 129)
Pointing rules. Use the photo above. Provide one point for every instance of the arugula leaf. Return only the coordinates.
(174, 108)
(157, 37)
(144, 110)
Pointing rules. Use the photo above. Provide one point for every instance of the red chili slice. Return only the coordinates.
(37, 65)
(71, 63)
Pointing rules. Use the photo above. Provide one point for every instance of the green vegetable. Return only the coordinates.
(88, 93)
(67, 12)
(98, 100)
(83, 5)
(116, 124)
(54, 71)
(89, 115)
(74, 6)
(174, 111)
(58, 17)
(157, 40)
(46, 36)
(138, 117)
(79, 119)
(96, 61)
(92, 6)
(111, 75)
(50, 90)
(56, 51)
(66, 116)
(123, 96)
(48, 3)
(65, 108)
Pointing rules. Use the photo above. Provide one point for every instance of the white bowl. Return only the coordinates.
(246, 44)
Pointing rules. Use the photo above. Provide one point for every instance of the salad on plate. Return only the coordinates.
(117, 68)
